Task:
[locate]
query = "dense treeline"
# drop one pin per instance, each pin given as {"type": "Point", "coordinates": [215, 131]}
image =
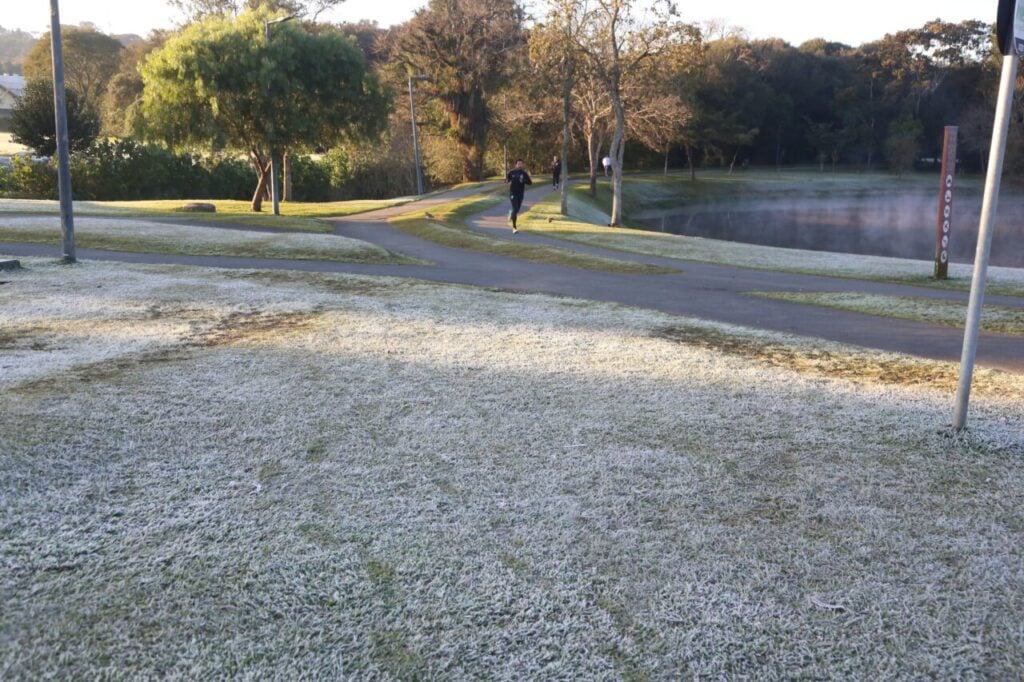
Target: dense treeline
{"type": "Point", "coordinates": [497, 83]}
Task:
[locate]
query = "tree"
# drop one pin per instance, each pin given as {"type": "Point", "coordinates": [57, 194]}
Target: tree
{"type": "Point", "coordinates": [615, 43]}
{"type": "Point", "coordinates": [901, 145]}
{"type": "Point", "coordinates": [468, 48]}
{"type": "Point", "coordinates": [592, 117]}
{"type": "Point", "coordinates": [33, 123]}
{"type": "Point", "coordinates": [91, 59]}
{"type": "Point", "coordinates": [220, 84]}
{"type": "Point", "coordinates": [553, 50]}
{"type": "Point", "coordinates": [197, 9]}
{"type": "Point", "coordinates": [120, 113]}
{"type": "Point", "coordinates": [658, 114]}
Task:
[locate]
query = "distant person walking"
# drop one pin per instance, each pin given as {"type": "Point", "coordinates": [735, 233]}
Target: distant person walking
{"type": "Point", "coordinates": [517, 180]}
{"type": "Point", "coordinates": [556, 172]}
{"type": "Point", "coordinates": [607, 162]}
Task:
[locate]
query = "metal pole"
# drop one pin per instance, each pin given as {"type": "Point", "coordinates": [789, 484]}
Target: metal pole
{"type": "Point", "coordinates": [67, 216]}
{"type": "Point", "coordinates": [274, 200]}
{"type": "Point", "coordinates": [997, 155]}
{"type": "Point", "coordinates": [415, 136]}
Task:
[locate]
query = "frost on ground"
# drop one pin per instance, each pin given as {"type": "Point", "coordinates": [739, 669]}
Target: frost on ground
{"type": "Point", "coordinates": [141, 235]}
{"type": "Point", "coordinates": [253, 474]}
{"type": "Point", "coordinates": [994, 318]}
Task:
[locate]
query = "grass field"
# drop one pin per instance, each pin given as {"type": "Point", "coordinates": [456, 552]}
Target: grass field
{"type": "Point", "coordinates": [297, 216]}
{"type": "Point", "coordinates": [259, 475]}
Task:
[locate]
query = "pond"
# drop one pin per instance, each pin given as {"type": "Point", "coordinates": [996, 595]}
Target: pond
{"type": "Point", "coordinates": [885, 225]}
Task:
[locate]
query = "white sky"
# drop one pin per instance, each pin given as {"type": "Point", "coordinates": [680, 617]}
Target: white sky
{"type": "Point", "coordinates": [793, 20]}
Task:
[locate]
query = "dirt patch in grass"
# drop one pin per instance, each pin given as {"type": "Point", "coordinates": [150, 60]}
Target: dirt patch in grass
{"type": "Point", "coordinates": [246, 327]}
{"type": "Point", "coordinates": [235, 328]}
{"type": "Point", "coordinates": [348, 284]}
{"type": "Point", "coordinates": [863, 367]}
{"type": "Point", "coordinates": [22, 338]}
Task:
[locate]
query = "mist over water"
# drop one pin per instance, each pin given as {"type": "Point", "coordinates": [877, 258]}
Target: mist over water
{"type": "Point", "coordinates": [883, 225]}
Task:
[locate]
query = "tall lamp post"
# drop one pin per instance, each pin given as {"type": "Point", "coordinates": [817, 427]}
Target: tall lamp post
{"type": "Point", "coordinates": [274, 198]}
{"type": "Point", "coordinates": [415, 133]}
{"type": "Point", "coordinates": [67, 216]}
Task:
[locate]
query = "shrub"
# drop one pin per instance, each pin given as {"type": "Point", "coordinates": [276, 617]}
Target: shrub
{"type": "Point", "coordinates": [32, 179]}
{"type": "Point", "coordinates": [126, 170]}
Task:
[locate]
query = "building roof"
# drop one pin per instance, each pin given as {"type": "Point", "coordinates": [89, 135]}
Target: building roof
{"type": "Point", "coordinates": [12, 83]}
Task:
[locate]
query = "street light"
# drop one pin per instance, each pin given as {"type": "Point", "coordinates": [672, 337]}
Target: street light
{"type": "Point", "coordinates": [274, 199]}
{"type": "Point", "coordinates": [415, 134]}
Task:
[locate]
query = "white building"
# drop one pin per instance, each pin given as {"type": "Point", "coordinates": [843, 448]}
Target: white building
{"type": "Point", "coordinates": [11, 87]}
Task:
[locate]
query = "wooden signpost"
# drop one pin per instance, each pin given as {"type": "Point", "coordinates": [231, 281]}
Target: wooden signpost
{"type": "Point", "coordinates": [942, 231]}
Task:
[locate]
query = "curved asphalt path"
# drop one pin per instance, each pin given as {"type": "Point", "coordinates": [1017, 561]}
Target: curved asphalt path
{"type": "Point", "coordinates": [701, 290]}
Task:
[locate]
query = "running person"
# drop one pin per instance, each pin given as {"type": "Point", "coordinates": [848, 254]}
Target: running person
{"type": "Point", "coordinates": [517, 180]}
{"type": "Point", "coordinates": [556, 172]}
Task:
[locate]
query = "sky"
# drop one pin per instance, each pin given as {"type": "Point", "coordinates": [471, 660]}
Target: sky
{"type": "Point", "coordinates": [793, 20]}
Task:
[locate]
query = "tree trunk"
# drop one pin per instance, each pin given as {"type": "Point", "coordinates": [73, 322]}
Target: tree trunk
{"type": "Point", "coordinates": [567, 82]}
{"type": "Point", "coordinates": [262, 180]}
{"type": "Point", "coordinates": [286, 166]}
{"type": "Point", "coordinates": [689, 162]}
{"type": "Point", "coordinates": [592, 152]}
{"type": "Point", "coordinates": [667, 150]}
{"type": "Point", "coordinates": [732, 164]}
{"type": "Point", "coordinates": [618, 150]}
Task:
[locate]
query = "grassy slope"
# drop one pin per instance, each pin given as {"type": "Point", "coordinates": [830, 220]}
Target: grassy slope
{"type": "Point", "coordinates": [588, 219]}
{"type": "Point", "coordinates": [139, 235]}
{"type": "Point", "coordinates": [279, 474]}
{"type": "Point", "coordinates": [996, 319]}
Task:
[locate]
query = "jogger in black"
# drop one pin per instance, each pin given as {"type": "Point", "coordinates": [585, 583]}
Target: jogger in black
{"type": "Point", "coordinates": [556, 172]}
{"type": "Point", "coordinates": [517, 180]}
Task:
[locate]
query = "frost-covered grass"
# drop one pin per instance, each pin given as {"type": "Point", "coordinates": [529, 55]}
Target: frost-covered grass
{"type": "Point", "coordinates": [446, 225]}
{"type": "Point", "coordinates": [586, 223]}
{"type": "Point", "coordinates": [277, 474]}
{"type": "Point", "coordinates": [139, 235]}
{"type": "Point", "coordinates": [994, 318]}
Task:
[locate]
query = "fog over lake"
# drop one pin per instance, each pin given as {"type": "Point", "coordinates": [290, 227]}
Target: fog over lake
{"type": "Point", "coordinates": [883, 225]}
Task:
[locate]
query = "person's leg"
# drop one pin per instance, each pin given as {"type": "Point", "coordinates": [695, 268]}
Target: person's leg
{"type": "Point", "coordinates": [517, 203]}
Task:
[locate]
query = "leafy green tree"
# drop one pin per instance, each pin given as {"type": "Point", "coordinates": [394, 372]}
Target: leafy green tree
{"type": "Point", "coordinates": [902, 144]}
{"type": "Point", "coordinates": [119, 112]}
{"type": "Point", "coordinates": [469, 49]}
{"type": "Point", "coordinates": [219, 84]}
{"type": "Point", "coordinates": [91, 59]}
{"type": "Point", "coordinates": [33, 123]}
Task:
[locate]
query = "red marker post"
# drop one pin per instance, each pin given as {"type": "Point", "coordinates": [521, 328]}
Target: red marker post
{"type": "Point", "coordinates": [942, 230]}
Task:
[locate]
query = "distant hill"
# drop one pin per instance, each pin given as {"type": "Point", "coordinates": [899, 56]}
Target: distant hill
{"type": "Point", "coordinates": [14, 45]}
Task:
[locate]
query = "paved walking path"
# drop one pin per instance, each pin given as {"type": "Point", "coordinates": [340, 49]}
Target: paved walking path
{"type": "Point", "coordinates": [701, 290]}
